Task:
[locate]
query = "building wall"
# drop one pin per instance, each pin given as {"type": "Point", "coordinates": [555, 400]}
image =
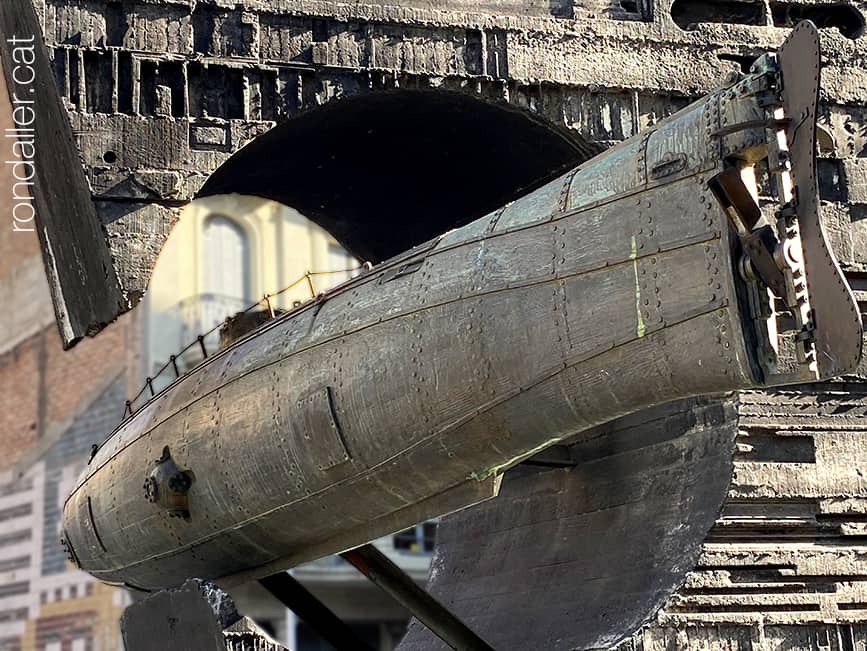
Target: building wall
{"type": "Point", "coordinates": [283, 246]}
{"type": "Point", "coordinates": [44, 602]}
{"type": "Point", "coordinates": [54, 405]}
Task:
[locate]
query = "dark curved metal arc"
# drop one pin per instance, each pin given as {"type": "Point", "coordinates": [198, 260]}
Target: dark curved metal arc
{"type": "Point", "coordinates": [361, 167]}
{"type": "Point", "coordinates": [581, 557]}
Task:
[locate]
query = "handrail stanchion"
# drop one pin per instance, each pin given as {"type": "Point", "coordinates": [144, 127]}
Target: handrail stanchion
{"type": "Point", "coordinates": [267, 298]}
{"type": "Point", "coordinates": [309, 277]}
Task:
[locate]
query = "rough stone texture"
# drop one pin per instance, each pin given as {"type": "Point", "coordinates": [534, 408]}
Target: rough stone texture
{"type": "Point", "coordinates": [785, 566]}
{"type": "Point", "coordinates": [198, 615]}
{"type": "Point", "coordinates": [161, 93]}
{"type": "Point", "coordinates": [191, 616]}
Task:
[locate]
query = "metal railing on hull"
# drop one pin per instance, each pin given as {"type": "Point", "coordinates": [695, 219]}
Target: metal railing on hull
{"type": "Point", "coordinates": [148, 391]}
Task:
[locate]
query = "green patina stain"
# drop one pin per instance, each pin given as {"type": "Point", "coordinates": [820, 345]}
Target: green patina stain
{"type": "Point", "coordinates": [499, 469]}
{"type": "Point", "coordinates": [633, 255]}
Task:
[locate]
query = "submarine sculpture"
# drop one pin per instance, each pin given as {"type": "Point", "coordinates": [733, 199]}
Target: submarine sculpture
{"type": "Point", "coordinates": [688, 260]}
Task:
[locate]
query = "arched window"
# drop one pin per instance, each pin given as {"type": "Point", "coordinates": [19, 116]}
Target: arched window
{"type": "Point", "coordinates": [226, 259]}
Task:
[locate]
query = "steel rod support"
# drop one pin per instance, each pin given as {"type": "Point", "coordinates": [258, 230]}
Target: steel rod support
{"type": "Point", "coordinates": [317, 615]}
{"type": "Point", "coordinates": [377, 567]}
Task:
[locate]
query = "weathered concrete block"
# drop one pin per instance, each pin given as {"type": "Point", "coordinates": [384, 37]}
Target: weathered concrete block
{"type": "Point", "coordinates": [838, 227]}
{"type": "Point", "coordinates": [163, 27]}
{"type": "Point", "coordinates": [190, 617]}
{"type": "Point", "coordinates": [135, 234]}
{"type": "Point", "coordinates": [225, 33]}
{"type": "Point", "coordinates": [198, 616]}
{"type": "Point", "coordinates": [132, 142]}
{"type": "Point", "coordinates": [285, 38]}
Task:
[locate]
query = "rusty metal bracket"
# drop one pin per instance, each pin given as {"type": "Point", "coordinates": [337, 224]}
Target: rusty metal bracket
{"type": "Point", "coordinates": [762, 261]}
{"type": "Point", "coordinates": [760, 246]}
{"type": "Point", "coordinates": [736, 200]}
{"type": "Point", "coordinates": [790, 256]}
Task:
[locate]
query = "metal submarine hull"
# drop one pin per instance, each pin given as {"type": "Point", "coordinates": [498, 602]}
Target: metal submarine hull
{"type": "Point", "coordinates": [406, 393]}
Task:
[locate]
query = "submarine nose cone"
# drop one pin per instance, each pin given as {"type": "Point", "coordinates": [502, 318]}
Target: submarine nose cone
{"type": "Point", "coordinates": [65, 542]}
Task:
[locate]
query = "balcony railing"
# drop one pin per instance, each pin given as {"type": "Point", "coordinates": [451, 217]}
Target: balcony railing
{"type": "Point", "coordinates": [205, 314]}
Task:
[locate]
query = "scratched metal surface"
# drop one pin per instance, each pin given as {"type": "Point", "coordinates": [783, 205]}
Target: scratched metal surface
{"type": "Point", "coordinates": [406, 393]}
{"type": "Point", "coordinates": [552, 565]}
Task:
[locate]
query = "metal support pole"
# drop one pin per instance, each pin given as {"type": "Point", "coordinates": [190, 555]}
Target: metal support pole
{"type": "Point", "coordinates": [299, 600]}
{"type": "Point", "coordinates": [376, 566]}
{"type": "Point", "coordinates": [309, 278]}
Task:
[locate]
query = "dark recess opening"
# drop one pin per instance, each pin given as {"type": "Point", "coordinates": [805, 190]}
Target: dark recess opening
{"type": "Point", "coordinates": [203, 28]}
{"type": "Point", "coordinates": [98, 72]}
{"type": "Point", "coordinates": [116, 25]}
{"type": "Point", "coordinates": [74, 95]}
{"type": "Point", "coordinates": [744, 61]}
{"type": "Point", "coordinates": [845, 18]}
{"type": "Point", "coordinates": [386, 171]}
{"type": "Point", "coordinates": [320, 30]}
{"type": "Point", "coordinates": [688, 13]}
{"type": "Point", "coordinates": [124, 82]}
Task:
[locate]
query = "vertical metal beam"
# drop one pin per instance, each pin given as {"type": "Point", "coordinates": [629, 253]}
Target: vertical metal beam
{"type": "Point", "coordinates": [78, 264]}
{"type": "Point", "coordinates": [301, 601]}
{"type": "Point", "coordinates": [396, 583]}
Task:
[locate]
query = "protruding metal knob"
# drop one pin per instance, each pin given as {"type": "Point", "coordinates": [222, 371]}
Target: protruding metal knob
{"type": "Point", "coordinates": [168, 486]}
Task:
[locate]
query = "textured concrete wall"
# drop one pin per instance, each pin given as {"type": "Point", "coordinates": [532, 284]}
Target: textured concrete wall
{"type": "Point", "coordinates": [785, 567]}
{"type": "Point", "coordinates": [161, 93]}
